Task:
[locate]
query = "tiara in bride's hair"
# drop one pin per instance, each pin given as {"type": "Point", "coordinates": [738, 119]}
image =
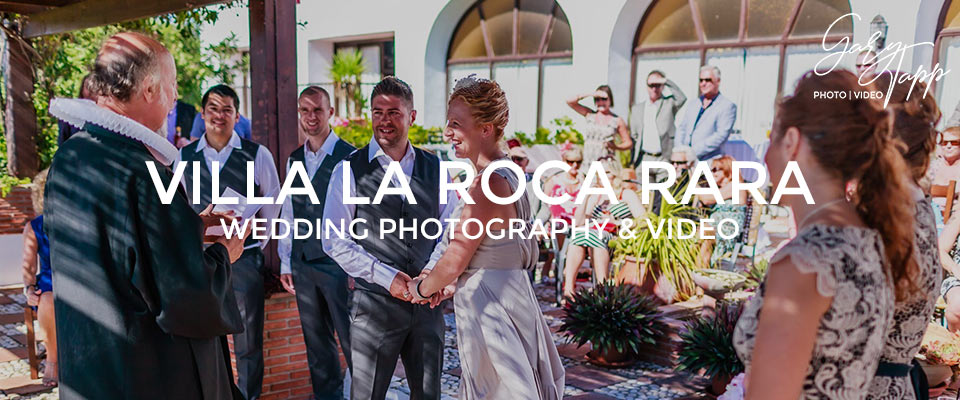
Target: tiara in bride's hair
{"type": "Point", "coordinates": [469, 81]}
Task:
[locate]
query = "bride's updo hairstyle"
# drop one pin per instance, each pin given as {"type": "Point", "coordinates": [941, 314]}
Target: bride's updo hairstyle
{"type": "Point", "coordinates": [851, 139]}
{"type": "Point", "coordinates": [487, 102]}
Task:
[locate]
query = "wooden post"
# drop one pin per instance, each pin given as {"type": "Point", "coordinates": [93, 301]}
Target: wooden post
{"type": "Point", "coordinates": [19, 118]}
{"type": "Point", "coordinates": [273, 69]}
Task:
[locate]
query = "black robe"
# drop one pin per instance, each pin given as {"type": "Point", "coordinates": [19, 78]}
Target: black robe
{"type": "Point", "coordinates": [141, 307]}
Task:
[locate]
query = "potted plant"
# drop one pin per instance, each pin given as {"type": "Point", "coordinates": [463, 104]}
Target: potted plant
{"type": "Point", "coordinates": [656, 262]}
{"type": "Point", "coordinates": [614, 320]}
{"type": "Point", "coordinates": [707, 344]}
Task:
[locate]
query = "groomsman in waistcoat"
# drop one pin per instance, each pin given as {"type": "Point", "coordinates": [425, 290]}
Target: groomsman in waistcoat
{"type": "Point", "coordinates": [385, 325]}
{"type": "Point", "coordinates": [305, 270]}
{"type": "Point", "coordinates": [221, 144]}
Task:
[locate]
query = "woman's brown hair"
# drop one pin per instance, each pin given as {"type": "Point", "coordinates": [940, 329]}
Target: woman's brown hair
{"type": "Point", "coordinates": [915, 116]}
{"type": "Point", "coordinates": [851, 137]}
{"type": "Point", "coordinates": [725, 164]}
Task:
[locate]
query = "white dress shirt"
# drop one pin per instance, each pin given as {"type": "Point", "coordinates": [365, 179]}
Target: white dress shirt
{"type": "Point", "coordinates": [265, 173]}
{"type": "Point", "coordinates": [311, 161]}
{"type": "Point", "coordinates": [354, 260]}
{"type": "Point", "coordinates": [651, 135]}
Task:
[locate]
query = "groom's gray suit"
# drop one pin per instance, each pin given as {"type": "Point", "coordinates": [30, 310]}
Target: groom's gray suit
{"type": "Point", "coordinates": [384, 328]}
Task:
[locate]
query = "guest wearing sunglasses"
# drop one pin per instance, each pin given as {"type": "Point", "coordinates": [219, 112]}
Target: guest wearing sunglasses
{"type": "Point", "coordinates": [603, 127]}
{"type": "Point", "coordinates": [652, 119]}
{"type": "Point", "coordinates": [866, 65]}
{"type": "Point", "coordinates": [945, 167]}
{"type": "Point", "coordinates": [708, 124]}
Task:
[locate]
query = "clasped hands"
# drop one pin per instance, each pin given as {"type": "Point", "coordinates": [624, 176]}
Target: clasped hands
{"type": "Point", "coordinates": [404, 288]}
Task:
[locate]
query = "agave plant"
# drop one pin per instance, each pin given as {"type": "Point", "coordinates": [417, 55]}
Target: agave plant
{"type": "Point", "coordinates": [707, 343]}
{"type": "Point", "coordinates": [676, 257]}
{"type": "Point", "coordinates": [612, 317]}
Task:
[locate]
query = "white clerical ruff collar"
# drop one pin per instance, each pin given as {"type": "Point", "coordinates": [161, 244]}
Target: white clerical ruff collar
{"type": "Point", "coordinates": [78, 112]}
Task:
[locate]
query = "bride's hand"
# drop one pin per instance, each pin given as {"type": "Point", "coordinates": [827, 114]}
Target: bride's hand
{"type": "Point", "coordinates": [442, 295]}
{"type": "Point", "coordinates": [414, 293]}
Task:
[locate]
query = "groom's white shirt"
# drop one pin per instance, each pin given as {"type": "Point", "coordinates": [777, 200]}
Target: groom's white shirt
{"type": "Point", "coordinates": [354, 260]}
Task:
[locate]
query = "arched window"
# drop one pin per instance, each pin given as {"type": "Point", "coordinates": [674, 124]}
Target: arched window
{"type": "Point", "coordinates": [760, 46]}
{"type": "Point", "coordinates": [525, 45]}
{"type": "Point", "coordinates": [947, 53]}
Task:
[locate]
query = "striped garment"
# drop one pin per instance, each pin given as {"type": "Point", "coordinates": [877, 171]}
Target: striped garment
{"type": "Point", "coordinates": [595, 239]}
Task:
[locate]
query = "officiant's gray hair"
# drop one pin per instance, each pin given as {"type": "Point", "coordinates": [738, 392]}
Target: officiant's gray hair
{"type": "Point", "coordinates": [125, 62]}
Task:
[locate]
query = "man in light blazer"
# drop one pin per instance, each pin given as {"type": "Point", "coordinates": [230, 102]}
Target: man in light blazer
{"type": "Point", "coordinates": [652, 121]}
{"type": "Point", "coordinates": [707, 124]}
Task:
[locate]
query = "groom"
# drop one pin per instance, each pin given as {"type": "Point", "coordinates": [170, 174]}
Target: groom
{"type": "Point", "coordinates": [385, 325]}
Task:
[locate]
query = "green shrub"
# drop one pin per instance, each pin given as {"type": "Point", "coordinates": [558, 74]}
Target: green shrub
{"type": "Point", "coordinates": [707, 343]}
{"type": "Point", "coordinates": [612, 317]}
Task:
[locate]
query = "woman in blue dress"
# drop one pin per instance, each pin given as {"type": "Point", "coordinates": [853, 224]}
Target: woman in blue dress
{"type": "Point", "coordinates": [38, 285]}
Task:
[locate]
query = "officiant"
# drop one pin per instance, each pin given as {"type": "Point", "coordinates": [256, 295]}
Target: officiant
{"type": "Point", "coordinates": [140, 304]}
{"type": "Point", "coordinates": [221, 147]}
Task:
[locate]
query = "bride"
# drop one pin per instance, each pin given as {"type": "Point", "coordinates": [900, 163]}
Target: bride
{"type": "Point", "coordinates": [506, 350]}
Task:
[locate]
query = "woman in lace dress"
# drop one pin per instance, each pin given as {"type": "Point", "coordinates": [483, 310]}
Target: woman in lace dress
{"type": "Point", "coordinates": [827, 300]}
{"type": "Point", "coordinates": [506, 349]}
{"type": "Point", "coordinates": [914, 123]}
{"type": "Point", "coordinates": [602, 127]}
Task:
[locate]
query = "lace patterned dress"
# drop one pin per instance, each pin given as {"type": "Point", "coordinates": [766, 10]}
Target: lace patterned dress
{"type": "Point", "coordinates": [596, 135]}
{"type": "Point", "coordinates": [848, 262]}
{"type": "Point", "coordinates": [912, 315]}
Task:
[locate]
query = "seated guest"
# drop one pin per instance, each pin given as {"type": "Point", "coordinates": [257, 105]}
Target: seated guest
{"type": "Point", "coordinates": [86, 92]}
{"type": "Point", "coordinates": [950, 258]}
{"type": "Point", "coordinates": [682, 159]}
{"type": "Point", "coordinates": [38, 285]}
{"type": "Point", "coordinates": [243, 128]}
{"type": "Point", "coordinates": [595, 210]}
{"type": "Point", "coordinates": [945, 167]}
{"type": "Point", "coordinates": [722, 169]}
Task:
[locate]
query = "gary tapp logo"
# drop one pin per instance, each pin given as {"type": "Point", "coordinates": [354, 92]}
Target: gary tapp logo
{"type": "Point", "coordinates": [890, 58]}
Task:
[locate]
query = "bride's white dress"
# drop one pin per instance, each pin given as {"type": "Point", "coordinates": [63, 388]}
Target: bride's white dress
{"type": "Point", "coordinates": [506, 350]}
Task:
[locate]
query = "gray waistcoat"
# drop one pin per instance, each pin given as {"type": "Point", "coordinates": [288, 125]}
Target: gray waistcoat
{"type": "Point", "coordinates": [408, 255]}
{"type": "Point", "coordinates": [311, 249]}
{"type": "Point", "coordinates": [233, 174]}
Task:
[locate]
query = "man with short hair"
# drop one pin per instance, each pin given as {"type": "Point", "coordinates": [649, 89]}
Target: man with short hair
{"type": "Point", "coordinates": [319, 283]}
{"type": "Point", "coordinates": [385, 324]}
{"type": "Point", "coordinates": [652, 121]}
{"type": "Point", "coordinates": [141, 305]}
{"type": "Point", "coordinates": [707, 126]}
{"type": "Point", "coordinates": [221, 148]}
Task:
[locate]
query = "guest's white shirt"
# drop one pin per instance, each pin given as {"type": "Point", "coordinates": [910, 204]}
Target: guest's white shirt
{"type": "Point", "coordinates": [311, 162]}
{"type": "Point", "coordinates": [651, 135]}
{"type": "Point", "coordinates": [265, 173]}
{"type": "Point", "coordinates": [354, 260]}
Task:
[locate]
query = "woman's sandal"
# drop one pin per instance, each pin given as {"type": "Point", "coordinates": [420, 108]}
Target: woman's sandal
{"type": "Point", "coordinates": [47, 380]}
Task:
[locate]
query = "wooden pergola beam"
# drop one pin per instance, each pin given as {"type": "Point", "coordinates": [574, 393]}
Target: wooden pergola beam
{"type": "Point", "coordinates": [21, 8]}
{"type": "Point", "coordinates": [20, 118]}
{"type": "Point", "coordinates": [273, 70]}
{"type": "Point", "coordinates": [91, 13]}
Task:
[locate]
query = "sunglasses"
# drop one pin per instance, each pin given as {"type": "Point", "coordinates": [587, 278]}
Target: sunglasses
{"type": "Point", "coordinates": [574, 162]}
{"type": "Point", "coordinates": [954, 143]}
{"type": "Point", "coordinates": [675, 163]}
{"type": "Point", "coordinates": [654, 85]}
{"type": "Point", "coordinates": [702, 80]}
{"type": "Point", "coordinates": [864, 65]}
{"type": "Point", "coordinates": [596, 99]}
{"type": "Point", "coordinates": [517, 159]}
